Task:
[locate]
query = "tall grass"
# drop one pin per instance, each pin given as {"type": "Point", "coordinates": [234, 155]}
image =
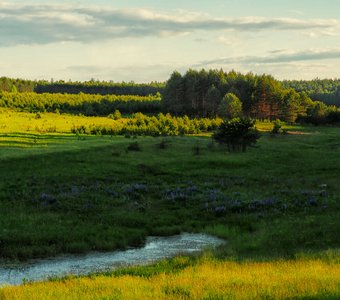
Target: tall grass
{"type": "Point", "coordinates": [208, 279]}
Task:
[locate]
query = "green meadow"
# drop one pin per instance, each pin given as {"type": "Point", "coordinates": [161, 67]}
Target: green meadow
{"type": "Point", "coordinates": [67, 193]}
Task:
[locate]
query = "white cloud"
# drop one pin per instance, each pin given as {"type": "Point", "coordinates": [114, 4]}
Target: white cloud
{"type": "Point", "coordinates": [43, 24]}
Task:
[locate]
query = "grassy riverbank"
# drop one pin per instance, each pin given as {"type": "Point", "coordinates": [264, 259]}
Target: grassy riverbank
{"type": "Point", "coordinates": [204, 279]}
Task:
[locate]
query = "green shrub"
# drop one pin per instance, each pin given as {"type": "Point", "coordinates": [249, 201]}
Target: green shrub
{"type": "Point", "coordinates": [276, 127]}
{"type": "Point", "coordinates": [134, 147]}
{"type": "Point", "coordinates": [237, 134]}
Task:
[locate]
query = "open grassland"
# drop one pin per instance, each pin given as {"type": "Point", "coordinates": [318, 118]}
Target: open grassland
{"type": "Point", "coordinates": [61, 193]}
{"type": "Point", "coordinates": [64, 193]}
{"type": "Point", "coordinates": [207, 279]}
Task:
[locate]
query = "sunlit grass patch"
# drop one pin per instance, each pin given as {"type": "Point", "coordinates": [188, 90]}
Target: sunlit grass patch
{"type": "Point", "coordinates": [42, 123]}
{"type": "Point", "coordinates": [208, 279]}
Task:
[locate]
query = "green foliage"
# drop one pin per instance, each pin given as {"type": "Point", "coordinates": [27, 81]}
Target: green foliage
{"type": "Point", "coordinates": [213, 97]}
{"type": "Point", "coordinates": [198, 93]}
{"type": "Point", "coordinates": [16, 85]}
{"type": "Point", "coordinates": [164, 144]}
{"type": "Point", "coordinates": [276, 127]}
{"type": "Point", "coordinates": [89, 105]}
{"type": "Point", "coordinates": [237, 134]}
{"type": "Point", "coordinates": [116, 115]}
{"type": "Point", "coordinates": [325, 90]}
{"type": "Point", "coordinates": [230, 107]}
{"type": "Point", "coordinates": [317, 113]}
{"type": "Point", "coordinates": [95, 87]}
{"type": "Point", "coordinates": [133, 147]}
{"type": "Point", "coordinates": [159, 125]}
{"type": "Point", "coordinates": [76, 87]}
{"type": "Point", "coordinates": [174, 93]}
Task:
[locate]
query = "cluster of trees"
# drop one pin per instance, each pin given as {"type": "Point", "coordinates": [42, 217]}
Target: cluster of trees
{"type": "Point", "coordinates": [16, 85]}
{"type": "Point", "coordinates": [160, 125]}
{"type": "Point", "coordinates": [320, 113]}
{"type": "Point", "coordinates": [76, 87]}
{"type": "Point", "coordinates": [86, 104]}
{"type": "Point", "coordinates": [201, 93]}
{"type": "Point", "coordinates": [214, 92]}
{"type": "Point", "coordinates": [324, 90]}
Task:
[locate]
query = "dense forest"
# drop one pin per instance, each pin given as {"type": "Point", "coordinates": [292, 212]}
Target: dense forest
{"type": "Point", "coordinates": [324, 90]}
{"type": "Point", "coordinates": [214, 92]}
{"type": "Point", "coordinates": [76, 87]}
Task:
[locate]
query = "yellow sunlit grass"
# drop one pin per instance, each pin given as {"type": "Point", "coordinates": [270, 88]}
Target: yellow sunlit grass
{"type": "Point", "coordinates": [23, 122]}
{"type": "Point", "coordinates": [207, 280]}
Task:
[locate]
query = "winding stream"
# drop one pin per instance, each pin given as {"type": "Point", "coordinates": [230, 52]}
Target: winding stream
{"type": "Point", "coordinates": [156, 248]}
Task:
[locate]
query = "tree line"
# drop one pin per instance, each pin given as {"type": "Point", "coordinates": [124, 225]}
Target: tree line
{"type": "Point", "coordinates": [324, 90]}
{"type": "Point", "coordinates": [76, 87]}
{"type": "Point", "coordinates": [214, 92]}
{"type": "Point", "coordinates": [100, 88]}
{"type": "Point", "coordinates": [204, 93]}
{"type": "Point", "coordinates": [86, 104]}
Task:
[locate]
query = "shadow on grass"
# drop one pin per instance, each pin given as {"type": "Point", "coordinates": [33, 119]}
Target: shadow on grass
{"type": "Point", "coordinates": [23, 140]}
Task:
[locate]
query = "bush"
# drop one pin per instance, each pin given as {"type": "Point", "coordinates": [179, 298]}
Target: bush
{"type": "Point", "coordinates": [116, 115]}
{"type": "Point", "coordinates": [134, 147]}
{"type": "Point", "coordinates": [276, 127]}
{"type": "Point", "coordinates": [163, 144]}
{"type": "Point", "coordinates": [237, 134]}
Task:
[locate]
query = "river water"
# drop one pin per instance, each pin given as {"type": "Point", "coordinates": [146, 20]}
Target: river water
{"type": "Point", "coordinates": [155, 248]}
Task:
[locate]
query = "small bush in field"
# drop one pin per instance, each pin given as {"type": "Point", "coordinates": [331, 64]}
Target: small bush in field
{"type": "Point", "coordinates": [276, 127]}
{"type": "Point", "coordinates": [116, 115]}
{"type": "Point", "coordinates": [134, 147]}
{"type": "Point", "coordinates": [163, 144]}
{"type": "Point", "coordinates": [237, 134]}
{"type": "Point", "coordinates": [196, 149]}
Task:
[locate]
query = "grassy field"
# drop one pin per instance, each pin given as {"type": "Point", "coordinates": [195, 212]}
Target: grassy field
{"type": "Point", "coordinates": [61, 193]}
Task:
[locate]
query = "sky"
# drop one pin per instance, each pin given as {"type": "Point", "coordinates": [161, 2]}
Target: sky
{"type": "Point", "coordinates": [146, 40]}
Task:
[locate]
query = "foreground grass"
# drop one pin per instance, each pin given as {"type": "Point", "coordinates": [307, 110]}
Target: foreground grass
{"type": "Point", "coordinates": [206, 279]}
